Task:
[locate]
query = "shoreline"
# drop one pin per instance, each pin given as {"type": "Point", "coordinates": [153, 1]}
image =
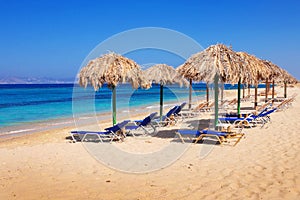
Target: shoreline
{"type": "Point", "coordinates": [27, 128]}
{"type": "Point", "coordinates": [7, 132]}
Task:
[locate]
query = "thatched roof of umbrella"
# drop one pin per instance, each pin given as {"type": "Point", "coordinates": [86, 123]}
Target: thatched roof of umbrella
{"type": "Point", "coordinates": [289, 78]}
{"type": "Point", "coordinates": [112, 69]}
{"type": "Point", "coordinates": [218, 59]}
{"type": "Point", "coordinates": [256, 67]}
{"type": "Point", "coordinates": [164, 74]}
{"type": "Point", "coordinates": [279, 74]}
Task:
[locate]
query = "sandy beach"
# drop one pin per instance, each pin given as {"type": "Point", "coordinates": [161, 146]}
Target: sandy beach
{"type": "Point", "coordinates": [265, 164]}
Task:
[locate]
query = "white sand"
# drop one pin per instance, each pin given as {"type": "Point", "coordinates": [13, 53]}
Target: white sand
{"type": "Point", "coordinates": [264, 165]}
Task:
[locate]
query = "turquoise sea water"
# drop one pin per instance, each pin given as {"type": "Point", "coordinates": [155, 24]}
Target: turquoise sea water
{"type": "Point", "coordinates": [21, 104]}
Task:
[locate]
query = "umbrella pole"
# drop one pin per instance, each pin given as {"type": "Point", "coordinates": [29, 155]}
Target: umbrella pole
{"type": "Point", "coordinates": [243, 91]}
{"type": "Point", "coordinates": [239, 99]}
{"type": "Point", "coordinates": [249, 89]}
{"type": "Point", "coordinates": [255, 96]}
{"type": "Point", "coordinates": [273, 90]}
{"type": "Point", "coordinates": [222, 92]}
{"type": "Point", "coordinates": [207, 93]}
{"type": "Point", "coordinates": [190, 95]}
{"type": "Point", "coordinates": [216, 84]}
{"type": "Point", "coordinates": [285, 90]}
{"type": "Point", "coordinates": [267, 91]}
{"type": "Point", "coordinates": [114, 105]}
{"type": "Point", "coordinates": [161, 100]}
{"type": "Point", "coordinates": [255, 91]}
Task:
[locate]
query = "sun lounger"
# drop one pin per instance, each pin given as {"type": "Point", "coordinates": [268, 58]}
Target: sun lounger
{"type": "Point", "coordinates": [262, 118]}
{"type": "Point", "coordinates": [246, 98]}
{"type": "Point", "coordinates": [110, 133]}
{"type": "Point", "coordinates": [248, 121]}
{"type": "Point", "coordinates": [195, 111]}
{"type": "Point", "coordinates": [177, 113]}
{"type": "Point", "coordinates": [229, 103]}
{"type": "Point", "coordinates": [208, 108]}
{"type": "Point", "coordinates": [224, 102]}
{"type": "Point", "coordinates": [200, 106]}
{"type": "Point", "coordinates": [285, 104]}
{"type": "Point", "coordinates": [152, 116]}
{"type": "Point", "coordinates": [265, 105]}
{"type": "Point", "coordinates": [166, 119]}
{"type": "Point", "coordinates": [200, 135]}
{"type": "Point", "coordinates": [141, 126]}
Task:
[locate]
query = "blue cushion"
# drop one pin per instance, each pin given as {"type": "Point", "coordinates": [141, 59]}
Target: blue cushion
{"type": "Point", "coordinates": [172, 111]}
{"type": "Point", "coordinates": [131, 127]}
{"type": "Point", "coordinates": [89, 132]}
{"type": "Point", "coordinates": [212, 132]}
{"type": "Point", "coordinates": [117, 127]}
{"type": "Point", "coordinates": [189, 132]}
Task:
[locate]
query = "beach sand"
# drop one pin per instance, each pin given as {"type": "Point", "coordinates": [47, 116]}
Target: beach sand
{"type": "Point", "coordinates": [265, 164]}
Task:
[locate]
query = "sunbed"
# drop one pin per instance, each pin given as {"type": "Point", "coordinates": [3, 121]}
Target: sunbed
{"type": "Point", "coordinates": [200, 135]}
{"type": "Point", "coordinates": [141, 125]}
{"type": "Point", "coordinates": [251, 120]}
{"type": "Point", "coordinates": [177, 113]}
{"type": "Point", "coordinates": [195, 111]}
{"type": "Point", "coordinates": [110, 133]}
{"type": "Point", "coordinates": [244, 121]}
{"type": "Point", "coordinates": [166, 119]}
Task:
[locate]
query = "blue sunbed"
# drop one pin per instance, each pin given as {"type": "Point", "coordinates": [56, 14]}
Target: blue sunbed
{"type": "Point", "coordinates": [109, 133]}
{"type": "Point", "coordinates": [141, 125]}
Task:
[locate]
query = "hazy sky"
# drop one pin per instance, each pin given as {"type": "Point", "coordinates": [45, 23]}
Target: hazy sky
{"type": "Point", "coordinates": [52, 38]}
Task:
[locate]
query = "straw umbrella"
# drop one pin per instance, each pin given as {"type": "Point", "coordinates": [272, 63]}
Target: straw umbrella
{"type": "Point", "coordinates": [257, 69]}
{"type": "Point", "coordinates": [214, 63]}
{"type": "Point", "coordinates": [112, 69]}
{"type": "Point", "coordinates": [279, 75]}
{"type": "Point", "coordinates": [288, 79]}
{"type": "Point", "coordinates": [163, 74]}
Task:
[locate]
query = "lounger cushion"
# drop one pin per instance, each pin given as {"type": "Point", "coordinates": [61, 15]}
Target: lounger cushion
{"type": "Point", "coordinates": [189, 132]}
{"type": "Point", "coordinates": [90, 132]}
{"type": "Point", "coordinates": [212, 132]}
{"type": "Point", "coordinates": [131, 127]}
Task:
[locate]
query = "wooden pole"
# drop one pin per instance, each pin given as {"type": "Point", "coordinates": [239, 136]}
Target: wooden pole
{"type": "Point", "coordinates": [161, 100]}
{"type": "Point", "coordinates": [255, 92]}
{"type": "Point", "coordinates": [216, 84]}
{"type": "Point", "coordinates": [255, 95]}
{"type": "Point", "coordinates": [267, 82]}
{"type": "Point", "coordinates": [273, 90]}
{"type": "Point", "coordinates": [190, 94]}
{"type": "Point", "coordinates": [114, 105]}
{"type": "Point", "coordinates": [207, 93]}
{"type": "Point", "coordinates": [239, 99]}
{"type": "Point", "coordinates": [249, 89]}
{"type": "Point", "coordinates": [285, 89]}
{"type": "Point", "coordinates": [222, 92]}
{"type": "Point", "coordinates": [243, 91]}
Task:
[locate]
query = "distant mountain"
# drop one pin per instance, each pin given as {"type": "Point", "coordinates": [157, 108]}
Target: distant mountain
{"type": "Point", "coordinates": [34, 80]}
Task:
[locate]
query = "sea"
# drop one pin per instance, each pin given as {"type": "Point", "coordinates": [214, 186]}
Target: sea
{"type": "Point", "coordinates": [24, 104]}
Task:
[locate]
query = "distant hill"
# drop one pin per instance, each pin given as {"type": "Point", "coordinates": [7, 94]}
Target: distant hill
{"type": "Point", "coordinates": [34, 80]}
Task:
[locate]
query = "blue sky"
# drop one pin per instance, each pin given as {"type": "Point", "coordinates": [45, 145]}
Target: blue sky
{"type": "Point", "coordinates": [52, 38]}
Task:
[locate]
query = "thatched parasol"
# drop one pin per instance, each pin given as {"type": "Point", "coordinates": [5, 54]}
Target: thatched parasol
{"type": "Point", "coordinates": [112, 69]}
{"type": "Point", "coordinates": [257, 69]}
{"type": "Point", "coordinates": [279, 75]}
{"type": "Point", "coordinates": [217, 60]}
{"type": "Point", "coordinates": [164, 74]}
{"type": "Point", "coordinates": [266, 71]}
